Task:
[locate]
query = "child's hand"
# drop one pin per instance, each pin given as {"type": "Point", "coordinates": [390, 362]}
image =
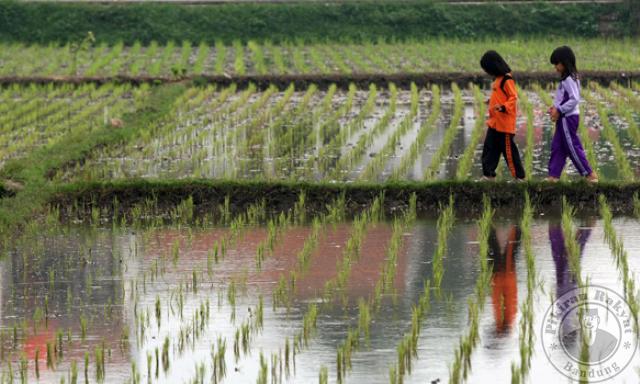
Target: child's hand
{"type": "Point", "coordinates": [553, 112]}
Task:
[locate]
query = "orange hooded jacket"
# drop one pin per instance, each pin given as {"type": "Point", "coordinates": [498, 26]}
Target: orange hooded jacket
{"type": "Point", "coordinates": [503, 121]}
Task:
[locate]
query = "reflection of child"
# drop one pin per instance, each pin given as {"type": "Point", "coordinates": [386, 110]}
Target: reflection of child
{"type": "Point", "coordinates": [565, 112]}
{"type": "Point", "coordinates": [502, 119]}
{"type": "Point", "coordinates": [505, 286]}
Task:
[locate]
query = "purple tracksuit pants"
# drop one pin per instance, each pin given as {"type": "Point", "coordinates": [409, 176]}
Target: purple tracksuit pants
{"type": "Point", "coordinates": [566, 143]}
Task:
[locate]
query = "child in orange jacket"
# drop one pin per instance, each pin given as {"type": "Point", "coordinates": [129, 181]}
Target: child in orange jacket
{"type": "Point", "coordinates": [502, 119]}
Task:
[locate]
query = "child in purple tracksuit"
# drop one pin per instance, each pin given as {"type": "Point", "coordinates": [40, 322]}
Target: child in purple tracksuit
{"type": "Point", "coordinates": [565, 112]}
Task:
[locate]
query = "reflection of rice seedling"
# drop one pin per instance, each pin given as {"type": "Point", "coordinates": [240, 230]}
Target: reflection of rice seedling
{"type": "Point", "coordinates": [520, 371]}
{"type": "Point", "coordinates": [461, 365]}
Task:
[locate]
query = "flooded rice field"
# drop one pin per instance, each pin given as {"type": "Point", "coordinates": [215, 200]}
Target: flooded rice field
{"type": "Point", "coordinates": [294, 298]}
{"type": "Point", "coordinates": [360, 135]}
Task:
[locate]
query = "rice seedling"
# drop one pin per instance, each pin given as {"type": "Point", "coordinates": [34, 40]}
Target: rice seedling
{"type": "Point", "coordinates": [36, 361]}
{"type": "Point", "coordinates": [74, 373]}
{"type": "Point", "coordinates": [99, 359]}
{"type": "Point", "coordinates": [83, 327]}
{"type": "Point", "coordinates": [520, 371]}
{"type": "Point", "coordinates": [86, 367]}
{"type": "Point", "coordinates": [323, 376]}
{"type": "Point", "coordinates": [466, 160]}
{"type": "Point", "coordinates": [374, 167]}
{"type": "Point", "coordinates": [611, 136]}
{"type": "Point", "coordinates": [165, 354]}
{"type": "Point", "coordinates": [461, 366]}
{"type": "Point", "coordinates": [621, 258]}
{"type": "Point", "coordinates": [58, 346]}
{"type": "Point", "coordinates": [450, 134]}
{"type": "Point", "coordinates": [135, 375]}
{"type": "Point", "coordinates": [50, 356]}
{"type": "Point", "coordinates": [354, 156]}
{"type": "Point", "coordinates": [571, 244]}
{"type": "Point", "coordinates": [219, 362]}
{"type": "Point", "coordinates": [325, 155]}
{"type": "Point", "coordinates": [444, 225]}
{"type": "Point", "coordinates": [23, 370]}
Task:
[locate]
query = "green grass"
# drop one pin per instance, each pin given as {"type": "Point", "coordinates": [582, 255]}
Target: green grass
{"type": "Point", "coordinates": [426, 54]}
{"type": "Point", "coordinates": [45, 22]}
{"type": "Point", "coordinates": [35, 169]}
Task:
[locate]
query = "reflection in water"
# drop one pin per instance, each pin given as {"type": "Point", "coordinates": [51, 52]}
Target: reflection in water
{"type": "Point", "coordinates": [53, 287]}
{"type": "Point", "coordinates": [504, 280]}
{"type": "Point", "coordinates": [565, 281]}
{"type": "Point", "coordinates": [117, 278]}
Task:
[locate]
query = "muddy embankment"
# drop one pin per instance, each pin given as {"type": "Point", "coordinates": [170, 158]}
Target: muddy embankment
{"type": "Point", "coordinates": [323, 81]}
{"type": "Point", "coordinates": [208, 196]}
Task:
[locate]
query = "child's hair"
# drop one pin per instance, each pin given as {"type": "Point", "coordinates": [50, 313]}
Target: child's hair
{"type": "Point", "coordinates": [564, 55]}
{"type": "Point", "coordinates": [494, 64]}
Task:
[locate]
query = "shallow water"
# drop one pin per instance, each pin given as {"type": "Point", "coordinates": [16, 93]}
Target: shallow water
{"type": "Point", "coordinates": [213, 142]}
{"type": "Point", "coordinates": [112, 277]}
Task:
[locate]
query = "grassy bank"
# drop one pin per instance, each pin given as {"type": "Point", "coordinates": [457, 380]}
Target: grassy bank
{"type": "Point", "coordinates": [58, 22]}
{"type": "Point", "coordinates": [207, 195]}
{"type": "Point", "coordinates": [34, 170]}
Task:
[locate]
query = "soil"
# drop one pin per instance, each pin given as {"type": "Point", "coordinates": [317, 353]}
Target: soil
{"type": "Point", "coordinates": [280, 196]}
{"type": "Point", "coordinates": [323, 81]}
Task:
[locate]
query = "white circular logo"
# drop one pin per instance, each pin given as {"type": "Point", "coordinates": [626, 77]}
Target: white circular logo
{"type": "Point", "coordinates": [588, 334]}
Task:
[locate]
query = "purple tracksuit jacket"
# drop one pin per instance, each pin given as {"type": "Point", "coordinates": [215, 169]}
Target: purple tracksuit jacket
{"type": "Point", "coordinates": [566, 142]}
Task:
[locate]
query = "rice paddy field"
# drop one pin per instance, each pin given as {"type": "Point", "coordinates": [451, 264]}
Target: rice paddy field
{"type": "Point", "coordinates": [179, 58]}
{"type": "Point", "coordinates": [334, 135]}
{"type": "Point", "coordinates": [181, 213]}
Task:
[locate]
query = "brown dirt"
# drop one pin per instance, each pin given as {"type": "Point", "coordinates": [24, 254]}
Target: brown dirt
{"type": "Point", "coordinates": [323, 81]}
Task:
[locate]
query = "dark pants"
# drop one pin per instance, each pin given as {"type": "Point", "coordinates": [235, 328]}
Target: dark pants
{"type": "Point", "coordinates": [496, 144]}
